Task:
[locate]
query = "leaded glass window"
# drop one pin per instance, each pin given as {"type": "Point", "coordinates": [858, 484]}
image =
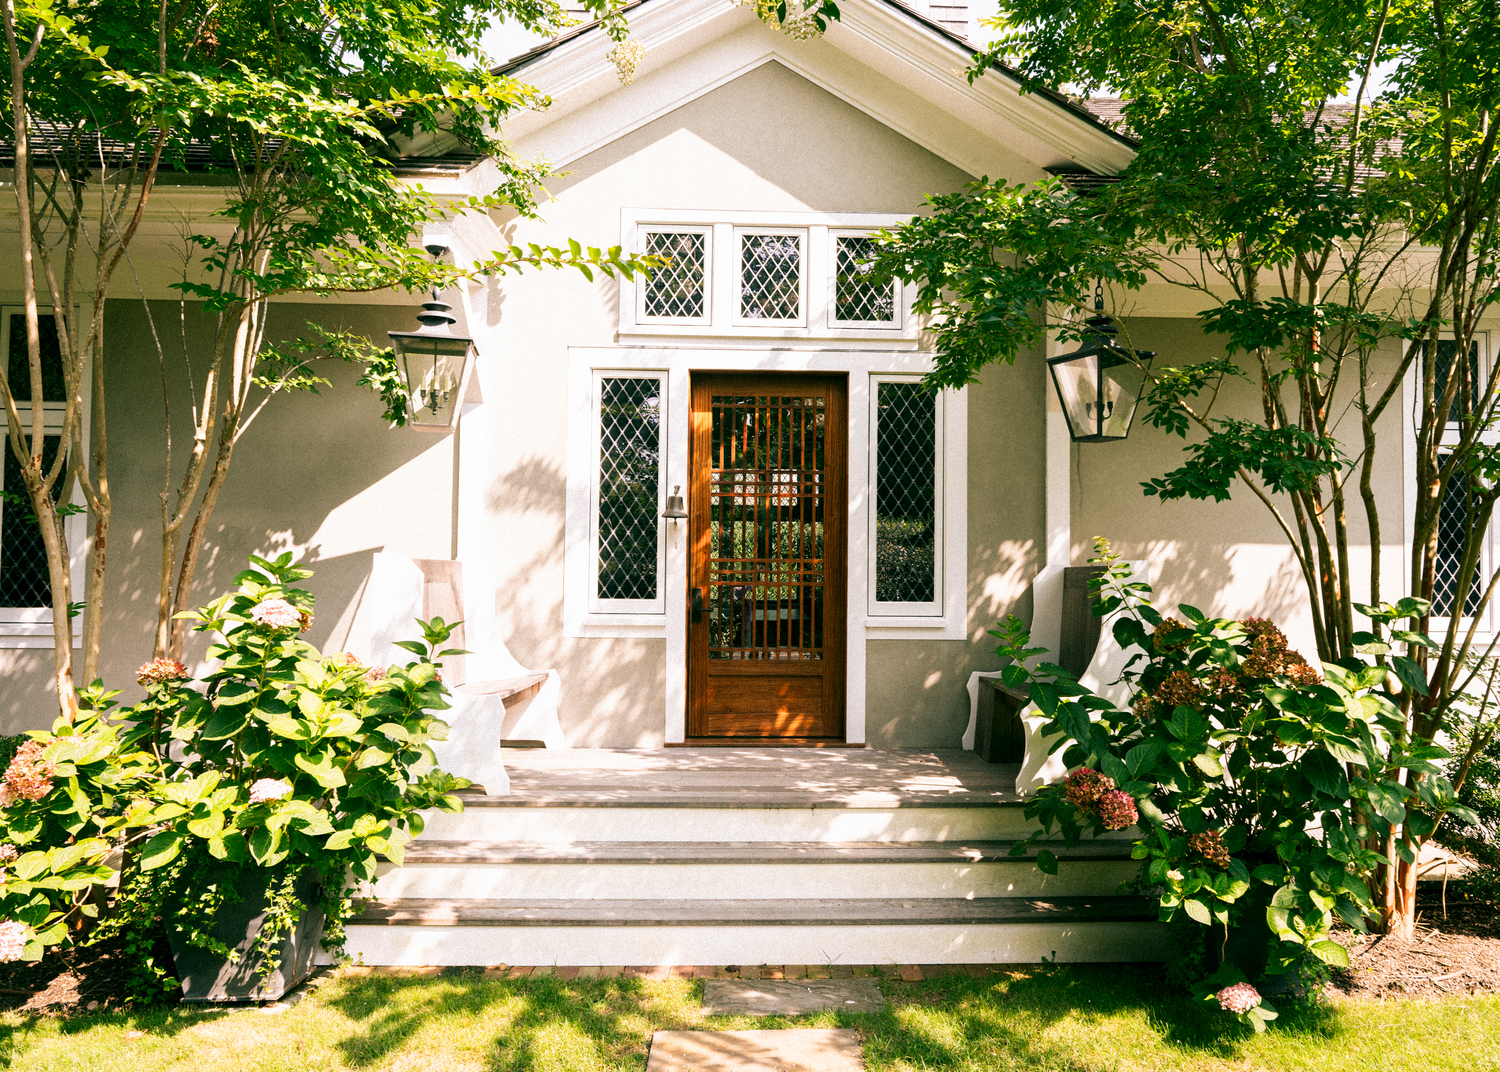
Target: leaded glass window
{"type": "Point", "coordinates": [24, 581]}
{"type": "Point", "coordinates": [906, 493]}
{"type": "Point", "coordinates": [1452, 526]}
{"type": "Point", "coordinates": [678, 289]}
{"type": "Point", "coordinates": [1465, 398]}
{"type": "Point", "coordinates": [627, 525]}
{"type": "Point", "coordinates": [857, 296]}
{"type": "Point", "coordinates": [771, 276]}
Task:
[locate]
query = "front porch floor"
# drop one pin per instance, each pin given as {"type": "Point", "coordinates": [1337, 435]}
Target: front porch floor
{"type": "Point", "coordinates": [757, 777]}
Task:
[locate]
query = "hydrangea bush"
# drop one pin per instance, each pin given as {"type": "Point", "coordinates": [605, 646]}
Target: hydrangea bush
{"type": "Point", "coordinates": [280, 761]}
{"type": "Point", "coordinates": [1247, 772]}
{"type": "Point", "coordinates": [63, 798]}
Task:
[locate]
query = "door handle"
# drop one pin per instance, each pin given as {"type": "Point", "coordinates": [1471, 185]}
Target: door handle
{"type": "Point", "coordinates": [698, 607]}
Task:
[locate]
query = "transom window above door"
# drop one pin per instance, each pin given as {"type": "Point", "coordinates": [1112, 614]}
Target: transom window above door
{"type": "Point", "coordinates": [789, 275]}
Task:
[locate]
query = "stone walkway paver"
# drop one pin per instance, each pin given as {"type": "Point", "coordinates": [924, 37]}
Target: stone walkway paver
{"type": "Point", "coordinates": [793, 1050]}
{"type": "Point", "coordinates": [747, 997]}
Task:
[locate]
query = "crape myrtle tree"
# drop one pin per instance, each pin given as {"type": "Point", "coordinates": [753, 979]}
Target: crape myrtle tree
{"type": "Point", "coordinates": [295, 110]}
{"type": "Point", "coordinates": [1343, 256]}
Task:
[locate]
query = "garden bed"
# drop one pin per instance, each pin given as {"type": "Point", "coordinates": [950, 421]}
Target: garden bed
{"type": "Point", "coordinates": [1454, 954]}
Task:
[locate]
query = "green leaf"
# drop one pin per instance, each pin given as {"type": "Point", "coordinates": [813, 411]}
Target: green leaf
{"type": "Point", "coordinates": [340, 839]}
{"type": "Point", "coordinates": [160, 850]}
{"type": "Point", "coordinates": [225, 723]}
{"type": "Point", "coordinates": [1143, 756]}
{"type": "Point", "coordinates": [1330, 952]}
{"type": "Point", "coordinates": [1046, 861]}
{"type": "Point", "coordinates": [1198, 911]}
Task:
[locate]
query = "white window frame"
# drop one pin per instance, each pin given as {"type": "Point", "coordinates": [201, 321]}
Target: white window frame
{"type": "Point", "coordinates": [935, 607]}
{"type": "Point", "coordinates": [740, 320]}
{"type": "Point", "coordinates": [708, 276]}
{"type": "Point", "coordinates": [819, 230]}
{"type": "Point", "coordinates": [893, 325]}
{"type": "Point", "coordinates": [1441, 624]}
{"type": "Point", "coordinates": [614, 607]}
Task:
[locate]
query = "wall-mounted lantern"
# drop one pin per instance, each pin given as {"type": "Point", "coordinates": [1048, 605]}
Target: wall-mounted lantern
{"type": "Point", "coordinates": [1100, 383]}
{"type": "Point", "coordinates": [434, 361]}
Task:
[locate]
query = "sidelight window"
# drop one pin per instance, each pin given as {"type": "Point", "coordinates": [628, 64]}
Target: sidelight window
{"type": "Point", "coordinates": [906, 522]}
{"type": "Point", "coordinates": [627, 493]}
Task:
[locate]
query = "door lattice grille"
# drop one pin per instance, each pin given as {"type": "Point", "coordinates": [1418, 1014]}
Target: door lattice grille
{"type": "Point", "coordinates": [766, 503]}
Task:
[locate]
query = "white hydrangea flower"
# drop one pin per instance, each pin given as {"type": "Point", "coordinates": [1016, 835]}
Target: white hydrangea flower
{"type": "Point", "coordinates": [269, 789]}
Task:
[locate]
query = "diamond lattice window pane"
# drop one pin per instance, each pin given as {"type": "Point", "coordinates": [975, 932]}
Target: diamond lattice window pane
{"type": "Point", "coordinates": [18, 372]}
{"type": "Point", "coordinates": [856, 295]}
{"type": "Point", "coordinates": [629, 465]}
{"type": "Point", "coordinates": [24, 581]}
{"type": "Point", "coordinates": [1452, 526]}
{"type": "Point", "coordinates": [1465, 398]}
{"type": "Point", "coordinates": [677, 288]}
{"type": "Point", "coordinates": [905, 494]}
{"type": "Point", "coordinates": [771, 277]}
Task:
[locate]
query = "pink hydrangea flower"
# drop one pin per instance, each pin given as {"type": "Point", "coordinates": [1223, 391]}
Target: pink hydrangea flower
{"type": "Point", "coordinates": [276, 614]}
{"type": "Point", "coordinates": [13, 938]}
{"type": "Point", "coordinates": [1117, 810]}
{"type": "Point", "coordinates": [29, 776]}
{"type": "Point", "coordinates": [8, 854]}
{"type": "Point", "coordinates": [158, 671]}
{"type": "Point", "coordinates": [1239, 998]}
{"type": "Point", "coordinates": [374, 674]}
{"type": "Point", "coordinates": [7, 796]}
{"type": "Point", "coordinates": [1084, 786]}
{"type": "Point", "coordinates": [269, 789]}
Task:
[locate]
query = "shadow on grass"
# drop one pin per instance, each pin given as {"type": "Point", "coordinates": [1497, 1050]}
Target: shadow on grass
{"type": "Point", "coordinates": [522, 1024]}
{"type": "Point", "coordinates": [1007, 1021]}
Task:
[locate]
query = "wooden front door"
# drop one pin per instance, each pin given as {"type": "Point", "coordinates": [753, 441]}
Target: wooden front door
{"type": "Point", "coordinates": [767, 531]}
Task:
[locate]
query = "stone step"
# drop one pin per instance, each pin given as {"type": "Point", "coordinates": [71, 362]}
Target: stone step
{"type": "Point", "coordinates": [751, 869]}
{"type": "Point", "coordinates": [742, 815]}
{"type": "Point", "coordinates": [471, 931]}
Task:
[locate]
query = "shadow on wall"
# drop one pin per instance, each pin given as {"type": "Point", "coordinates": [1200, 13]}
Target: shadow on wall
{"type": "Point", "coordinates": [320, 475]}
{"type": "Point", "coordinates": [811, 146]}
{"type": "Point", "coordinates": [612, 689]}
{"type": "Point", "coordinates": [1249, 580]}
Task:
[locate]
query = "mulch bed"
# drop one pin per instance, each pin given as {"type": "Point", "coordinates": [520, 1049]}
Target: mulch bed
{"type": "Point", "coordinates": [75, 980]}
{"type": "Point", "coordinates": [1449, 956]}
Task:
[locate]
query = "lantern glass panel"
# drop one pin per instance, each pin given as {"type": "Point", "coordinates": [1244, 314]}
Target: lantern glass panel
{"type": "Point", "coordinates": [433, 368]}
{"type": "Point", "coordinates": [1121, 381]}
{"type": "Point", "coordinates": [1077, 382]}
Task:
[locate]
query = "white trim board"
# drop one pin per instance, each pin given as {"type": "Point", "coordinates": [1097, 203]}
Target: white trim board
{"type": "Point", "coordinates": [677, 363]}
{"type": "Point", "coordinates": [878, 61]}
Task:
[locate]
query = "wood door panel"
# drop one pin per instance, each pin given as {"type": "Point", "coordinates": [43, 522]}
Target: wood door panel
{"type": "Point", "coordinates": [761, 696]}
{"type": "Point", "coordinates": [767, 538]}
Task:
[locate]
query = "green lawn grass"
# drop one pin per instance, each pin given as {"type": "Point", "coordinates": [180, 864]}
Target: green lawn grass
{"type": "Point", "coordinates": [1079, 1019]}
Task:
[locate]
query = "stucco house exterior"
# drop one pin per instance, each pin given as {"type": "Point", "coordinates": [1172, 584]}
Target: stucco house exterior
{"type": "Point", "coordinates": [736, 142]}
{"type": "Point", "coordinates": [760, 371]}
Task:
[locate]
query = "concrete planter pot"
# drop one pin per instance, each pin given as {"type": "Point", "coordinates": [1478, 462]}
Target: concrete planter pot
{"type": "Point", "coordinates": [207, 977]}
